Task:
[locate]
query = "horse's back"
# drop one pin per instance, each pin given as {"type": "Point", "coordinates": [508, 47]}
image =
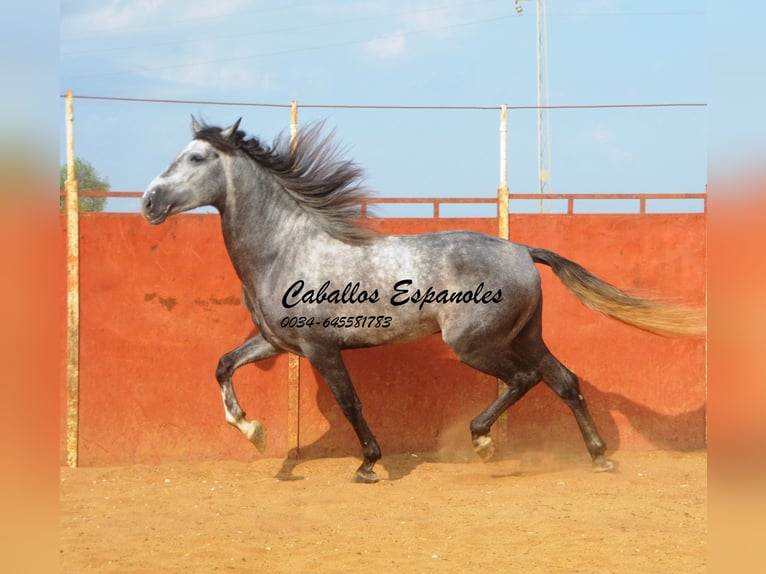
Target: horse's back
{"type": "Point", "coordinates": [501, 274]}
{"type": "Point", "coordinates": [486, 289]}
{"type": "Point", "coordinates": [460, 254]}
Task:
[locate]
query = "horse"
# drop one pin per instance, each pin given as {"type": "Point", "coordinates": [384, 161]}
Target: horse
{"type": "Point", "coordinates": [316, 280]}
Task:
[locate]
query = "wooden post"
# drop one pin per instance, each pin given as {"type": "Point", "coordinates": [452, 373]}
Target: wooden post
{"type": "Point", "coordinates": [503, 230]}
{"type": "Point", "coordinates": [293, 361]}
{"type": "Point", "coordinates": [293, 123]}
{"type": "Point", "coordinates": [73, 293]}
{"type": "Point", "coordinates": [502, 191]}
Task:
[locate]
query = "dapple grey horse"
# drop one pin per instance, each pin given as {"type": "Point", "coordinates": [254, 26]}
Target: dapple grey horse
{"type": "Point", "coordinates": [316, 280]}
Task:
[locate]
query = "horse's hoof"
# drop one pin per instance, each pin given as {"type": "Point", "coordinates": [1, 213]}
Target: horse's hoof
{"type": "Point", "coordinates": [256, 434]}
{"type": "Point", "coordinates": [366, 476]}
{"type": "Point", "coordinates": [484, 446]}
{"type": "Point", "coordinates": [600, 464]}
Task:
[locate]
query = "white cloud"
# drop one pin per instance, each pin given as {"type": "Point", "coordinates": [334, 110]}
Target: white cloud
{"type": "Point", "coordinates": [203, 65]}
{"type": "Point", "coordinates": [601, 135]}
{"type": "Point", "coordinates": [164, 40]}
{"type": "Point", "coordinates": [131, 16]}
{"type": "Point", "coordinates": [386, 47]}
{"type": "Point", "coordinates": [425, 19]}
{"type": "Point", "coordinates": [205, 75]}
{"type": "Point", "coordinates": [436, 15]}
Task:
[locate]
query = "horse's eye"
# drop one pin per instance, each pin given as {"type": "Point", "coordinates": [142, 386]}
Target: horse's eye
{"type": "Point", "coordinates": [196, 158]}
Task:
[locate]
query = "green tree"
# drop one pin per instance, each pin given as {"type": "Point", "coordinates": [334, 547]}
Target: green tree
{"type": "Point", "coordinates": [88, 179]}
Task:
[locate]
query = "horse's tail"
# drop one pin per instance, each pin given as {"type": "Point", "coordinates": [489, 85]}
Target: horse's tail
{"type": "Point", "coordinates": [655, 317]}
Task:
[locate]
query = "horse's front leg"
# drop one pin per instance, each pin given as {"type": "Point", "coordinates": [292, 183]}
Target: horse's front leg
{"type": "Point", "coordinates": [330, 365]}
{"type": "Point", "coordinates": [252, 350]}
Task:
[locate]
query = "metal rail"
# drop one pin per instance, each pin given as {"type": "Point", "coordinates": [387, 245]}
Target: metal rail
{"type": "Point", "coordinates": [437, 202]}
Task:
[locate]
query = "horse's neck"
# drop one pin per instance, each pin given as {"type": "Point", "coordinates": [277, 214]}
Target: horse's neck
{"type": "Point", "coordinates": [259, 221]}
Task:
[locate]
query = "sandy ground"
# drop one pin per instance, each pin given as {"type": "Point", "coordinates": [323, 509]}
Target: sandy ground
{"type": "Point", "coordinates": [530, 513]}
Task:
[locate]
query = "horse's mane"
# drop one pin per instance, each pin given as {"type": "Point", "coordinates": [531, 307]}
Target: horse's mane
{"type": "Point", "coordinates": [311, 171]}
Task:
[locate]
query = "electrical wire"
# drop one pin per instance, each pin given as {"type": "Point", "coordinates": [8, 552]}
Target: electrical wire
{"type": "Point", "coordinates": [389, 106]}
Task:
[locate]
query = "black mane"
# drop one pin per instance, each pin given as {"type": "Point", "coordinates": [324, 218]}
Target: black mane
{"type": "Point", "coordinates": [311, 171]}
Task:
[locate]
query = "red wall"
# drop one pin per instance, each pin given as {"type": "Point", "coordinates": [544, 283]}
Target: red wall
{"type": "Point", "coordinates": [159, 305]}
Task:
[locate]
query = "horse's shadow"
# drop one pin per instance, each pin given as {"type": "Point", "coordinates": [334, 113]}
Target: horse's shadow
{"type": "Point", "coordinates": [665, 432]}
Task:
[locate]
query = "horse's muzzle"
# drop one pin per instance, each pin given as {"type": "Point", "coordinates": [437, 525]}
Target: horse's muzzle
{"type": "Point", "coordinates": [154, 210]}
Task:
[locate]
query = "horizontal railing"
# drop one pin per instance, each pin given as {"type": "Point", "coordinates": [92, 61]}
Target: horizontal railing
{"type": "Point", "coordinates": [436, 203]}
{"type": "Point", "coordinates": [570, 198]}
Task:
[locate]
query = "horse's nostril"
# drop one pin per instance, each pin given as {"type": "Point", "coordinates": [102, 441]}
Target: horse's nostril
{"type": "Point", "coordinates": [148, 204]}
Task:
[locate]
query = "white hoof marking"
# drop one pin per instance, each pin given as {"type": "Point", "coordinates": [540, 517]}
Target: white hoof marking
{"type": "Point", "coordinates": [255, 433]}
{"type": "Point", "coordinates": [484, 446]}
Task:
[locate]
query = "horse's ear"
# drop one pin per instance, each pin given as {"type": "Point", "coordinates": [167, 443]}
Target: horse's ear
{"type": "Point", "coordinates": [195, 125]}
{"type": "Point", "coordinates": [231, 130]}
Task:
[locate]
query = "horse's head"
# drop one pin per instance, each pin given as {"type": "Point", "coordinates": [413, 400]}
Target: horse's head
{"type": "Point", "coordinates": [195, 178]}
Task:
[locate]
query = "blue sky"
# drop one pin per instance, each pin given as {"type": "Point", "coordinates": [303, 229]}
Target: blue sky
{"type": "Point", "coordinates": [429, 53]}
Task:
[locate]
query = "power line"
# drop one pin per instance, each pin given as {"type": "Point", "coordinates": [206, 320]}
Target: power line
{"type": "Point", "coordinates": [391, 106]}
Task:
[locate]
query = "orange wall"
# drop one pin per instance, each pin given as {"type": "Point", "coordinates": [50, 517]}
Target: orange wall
{"type": "Point", "coordinates": [159, 305]}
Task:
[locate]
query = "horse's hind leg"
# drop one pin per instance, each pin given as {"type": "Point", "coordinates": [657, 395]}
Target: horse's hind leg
{"type": "Point", "coordinates": [250, 351]}
{"type": "Point", "coordinates": [508, 361]}
{"type": "Point", "coordinates": [518, 385]}
{"type": "Point", "coordinates": [521, 367]}
{"type": "Point", "coordinates": [330, 365]}
{"type": "Point", "coordinates": [566, 386]}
